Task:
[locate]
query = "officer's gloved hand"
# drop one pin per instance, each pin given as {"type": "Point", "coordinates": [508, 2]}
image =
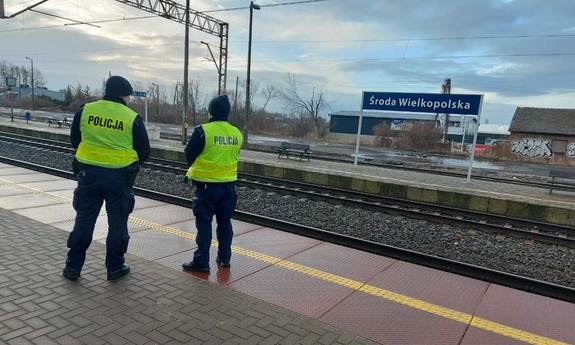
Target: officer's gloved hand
{"type": "Point", "coordinates": [186, 179]}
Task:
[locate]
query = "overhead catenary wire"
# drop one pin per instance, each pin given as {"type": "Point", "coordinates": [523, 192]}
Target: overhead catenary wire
{"type": "Point", "coordinates": [60, 17]}
{"type": "Point", "coordinates": [449, 38]}
{"type": "Point", "coordinates": [345, 59]}
{"type": "Point", "coordinates": [269, 5]}
{"type": "Point", "coordinates": [72, 24]}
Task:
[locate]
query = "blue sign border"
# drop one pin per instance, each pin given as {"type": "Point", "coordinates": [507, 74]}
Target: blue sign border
{"type": "Point", "coordinates": [422, 102]}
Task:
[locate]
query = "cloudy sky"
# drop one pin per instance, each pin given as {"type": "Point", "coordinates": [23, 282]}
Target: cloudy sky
{"type": "Point", "coordinates": [515, 52]}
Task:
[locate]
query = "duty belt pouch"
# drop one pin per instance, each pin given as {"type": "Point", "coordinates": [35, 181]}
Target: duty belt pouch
{"type": "Point", "coordinates": [78, 168]}
{"type": "Point", "coordinates": [131, 173]}
{"type": "Point", "coordinates": [75, 167]}
{"type": "Point", "coordinates": [199, 185]}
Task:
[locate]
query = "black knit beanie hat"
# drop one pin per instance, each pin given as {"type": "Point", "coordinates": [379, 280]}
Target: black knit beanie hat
{"type": "Point", "coordinates": [118, 86]}
{"type": "Point", "coordinates": [219, 107]}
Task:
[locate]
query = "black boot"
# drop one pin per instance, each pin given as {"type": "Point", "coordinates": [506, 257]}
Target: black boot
{"type": "Point", "coordinates": [119, 273]}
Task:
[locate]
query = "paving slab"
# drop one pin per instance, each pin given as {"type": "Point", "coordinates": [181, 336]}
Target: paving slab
{"type": "Point", "coordinates": [152, 305]}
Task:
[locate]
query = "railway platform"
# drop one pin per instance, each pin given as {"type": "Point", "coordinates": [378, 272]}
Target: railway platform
{"type": "Point", "coordinates": [281, 288]}
{"type": "Point", "coordinates": [519, 201]}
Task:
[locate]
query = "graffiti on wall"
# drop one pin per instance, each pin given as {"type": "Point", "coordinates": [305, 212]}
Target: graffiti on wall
{"type": "Point", "coordinates": [534, 148]}
{"type": "Point", "coordinates": [570, 150]}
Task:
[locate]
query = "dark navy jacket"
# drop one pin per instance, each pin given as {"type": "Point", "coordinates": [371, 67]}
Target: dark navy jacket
{"type": "Point", "coordinates": [141, 143]}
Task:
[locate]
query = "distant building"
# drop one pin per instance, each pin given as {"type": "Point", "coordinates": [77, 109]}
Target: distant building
{"type": "Point", "coordinates": [488, 133]}
{"type": "Point", "coordinates": [19, 93]}
{"type": "Point", "coordinates": [543, 132]}
{"type": "Point", "coordinates": [343, 124]}
{"type": "Point", "coordinates": [346, 122]}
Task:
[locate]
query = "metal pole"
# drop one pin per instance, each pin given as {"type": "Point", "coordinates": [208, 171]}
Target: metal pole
{"type": "Point", "coordinates": [185, 91]}
{"type": "Point", "coordinates": [11, 103]}
{"type": "Point", "coordinates": [236, 97]}
{"type": "Point", "coordinates": [247, 125]}
{"type": "Point", "coordinates": [358, 130]}
{"type": "Point", "coordinates": [33, 99]}
{"type": "Point", "coordinates": [223, 69]}
{"type": "Point", "coordinates": [220, 91]}
{"type": "Point", "coordinates": [474, 140]}
{"type": "Point", "coordinates": [2, 14]}
{"type": "Point", "coordinates": [146, 110]}
{"type": "Point", "coordinates": [158, 92]}
{"type": "Point", "coordinates": [32, 72]}
{"type": "Point", "coordinates": [463, 133]}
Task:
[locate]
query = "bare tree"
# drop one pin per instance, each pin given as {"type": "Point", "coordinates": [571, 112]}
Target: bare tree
{"type": "Point", "coordinates": [270, 92]}
{"type": "Point", "coordinates": [237, 115]}
{"type": "Point", "coordinates": [383, 134]}
{"type": "Point", "coordinates": [157, 101]}
{"type": "Point", "coordinates": [301, 125]}
{"type": "Point", "coordinates": [4, 71]}
{"type": "Point", "coordinates": [97, 93]}
{"type": "Point", "coordinates": [294, 102]}
{"type": "Point", "coordinates": [197, 100]}
{"type": "Point", "coordinates": [254, 88]}
{"type": "Point", "coordinates": [39, 80]}
{"type": "Point", "coordinates": [24, 76]}
{"type": "Point", "coordinates": [7, 69]}
{"type": "Point", "coordinates": [422, 136]}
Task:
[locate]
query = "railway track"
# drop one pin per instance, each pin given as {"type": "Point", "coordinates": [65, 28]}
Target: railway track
{"type": "Point", "coordinates": [558, 185]}
{"type": "Point", "coordinates": [530, 230]}
{"type": "Point", "coordinates": [334, 158]}
{"type": "Point", "coordinates": [481, 273]}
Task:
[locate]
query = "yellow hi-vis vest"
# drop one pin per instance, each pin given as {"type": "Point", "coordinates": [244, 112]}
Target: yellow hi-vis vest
{"type": "Point", "coordinates": [107, 139]}
{"type": "Point", "coordinates": [218, 162]}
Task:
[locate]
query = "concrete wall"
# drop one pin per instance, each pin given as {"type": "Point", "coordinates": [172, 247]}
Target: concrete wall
{"type": "Point", "coordinates": [497, 206]}
{"type": "Point", "coordinates": [36, 133]}
{"type": "Point", "coordinates": [351, 138]}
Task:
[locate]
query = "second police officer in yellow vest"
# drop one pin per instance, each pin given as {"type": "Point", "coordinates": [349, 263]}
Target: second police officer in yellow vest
{"type": "Point", "coordinates": [212, 154]}
{"type": "Point", "coordinates": [110, 141]}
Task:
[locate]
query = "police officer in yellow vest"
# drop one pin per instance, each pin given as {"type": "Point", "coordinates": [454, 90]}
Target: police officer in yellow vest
{"type": "Point", "coordinates": [212, 154]}
{"type": "Point", "coordinates": [111, 142]}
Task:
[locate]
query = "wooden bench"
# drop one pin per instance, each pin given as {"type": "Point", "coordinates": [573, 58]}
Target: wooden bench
{"type": "Point", "coordinates": [288, 148]}
{"type": "Point", "coordinates": [567, 175]}
{"type": "Point", "coordinates": [59, 122]}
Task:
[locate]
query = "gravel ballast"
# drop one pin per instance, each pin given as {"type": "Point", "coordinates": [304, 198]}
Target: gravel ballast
{"type": "Point", "coordinates": [539, 261]}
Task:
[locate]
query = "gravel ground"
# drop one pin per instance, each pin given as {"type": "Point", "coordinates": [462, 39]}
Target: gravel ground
{"type": "Point", "coordinates": [538, 261]}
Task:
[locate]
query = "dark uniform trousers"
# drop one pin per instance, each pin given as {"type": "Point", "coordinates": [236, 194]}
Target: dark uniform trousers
{"type": "Point", "coordinates": [95, 186]}
{"type": "Point", "coordinates": [209, 200]}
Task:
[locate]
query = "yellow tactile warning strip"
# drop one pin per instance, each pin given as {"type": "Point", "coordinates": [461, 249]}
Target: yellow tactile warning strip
{"type": "Point", "coordinates": [410, 183]}
{"type": "Point", "coordinates": [490, 326]}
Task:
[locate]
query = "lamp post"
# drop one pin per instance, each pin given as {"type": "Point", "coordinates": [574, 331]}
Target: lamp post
{"type": "Point", "coordinates": [217, 67]}
{"type": "Point", "coordinates": [252, 8]}
{"type": "Point", "coordinates": [186, 62]}
{"type": "Point", "coordinates": [32, 72]}
{"type": "Point", "coordinates": [157, 100]}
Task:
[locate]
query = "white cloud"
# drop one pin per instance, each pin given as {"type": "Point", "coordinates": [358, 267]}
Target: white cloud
{"type": "Point", "coordinates": [152, 49]}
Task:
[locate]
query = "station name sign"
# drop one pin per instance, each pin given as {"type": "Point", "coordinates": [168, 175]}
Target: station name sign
{"type": "Point", "coordinates": [422, 102]}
